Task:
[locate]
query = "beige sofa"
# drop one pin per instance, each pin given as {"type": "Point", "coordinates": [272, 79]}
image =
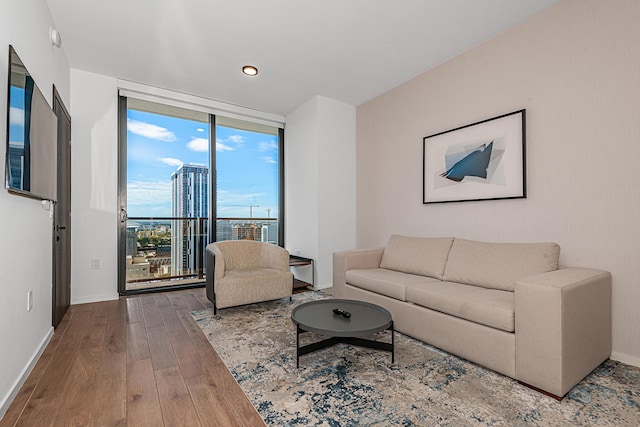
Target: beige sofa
{"type": "Point", "coordinates": [505, 306]}
{"type": "Point", "coordinates": [244, 271]}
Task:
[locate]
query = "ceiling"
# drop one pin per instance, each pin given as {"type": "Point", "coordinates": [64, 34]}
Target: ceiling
{"type": "Point", "coordinates": [348, 50]}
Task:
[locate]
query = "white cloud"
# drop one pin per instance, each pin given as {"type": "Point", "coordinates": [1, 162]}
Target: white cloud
{"type": "Point", "coordinates": [224, 144]}
{"type": "Point", "coordinates": [16, 116]}
{"type": "Point", "coordinates": [238, 205]}
{"type": "Point", "coordinates": [150, 131]}
{"type": "Point", "coordinates": [171, 161]}
{"type": "Point", "coordinates": [268, 146]}
{"type": "Point", "coordinates": [16, 144]}
{"type": "Point", "coordinates": [148, 192]}
{"type": "Point", "coordinates": [226, 198]}
{"type": "Point", "coordinates": [198, 144]}
{"type": "Point", "coordinates": [222, 147]}
{"type": "Point", "coordinates": [238, 139]}
{"type": "Point", "coordinates": [269, 160]}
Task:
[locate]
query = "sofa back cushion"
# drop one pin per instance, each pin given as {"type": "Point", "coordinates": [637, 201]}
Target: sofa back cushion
{"type": "Point", "coordinates": [425, 256]}
{"type": "Point", "coordinates": [498, 265]}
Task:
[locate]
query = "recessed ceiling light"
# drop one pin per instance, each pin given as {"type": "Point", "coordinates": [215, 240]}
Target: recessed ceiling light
{"type": "Point", "coordinates": [250, 70]}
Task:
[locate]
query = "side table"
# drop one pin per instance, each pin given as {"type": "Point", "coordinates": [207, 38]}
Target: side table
{"type": "Point", "coordinates": [299, 261]}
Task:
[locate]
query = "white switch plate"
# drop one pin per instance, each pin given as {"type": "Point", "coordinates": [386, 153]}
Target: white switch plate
{"type": "Point", "coordinates": [29, 300]}
{"type": "Point", "coordinates": [96, 263]}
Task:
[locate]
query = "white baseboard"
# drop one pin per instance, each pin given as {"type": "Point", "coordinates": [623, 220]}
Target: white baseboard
{"type": "Point", "coordinates": [94, 298]}
{"type": "Point", "coordinates": [625, 358]}
{"type": "Point", "coordinates": [8, 399]}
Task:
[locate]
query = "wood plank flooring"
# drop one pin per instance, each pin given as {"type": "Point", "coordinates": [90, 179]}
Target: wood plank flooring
{"type": "Point", "coordinates": [137, 361]}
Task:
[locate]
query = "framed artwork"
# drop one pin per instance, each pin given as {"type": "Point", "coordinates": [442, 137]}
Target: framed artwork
{"type": "Point", "coordinates": [480, 161]}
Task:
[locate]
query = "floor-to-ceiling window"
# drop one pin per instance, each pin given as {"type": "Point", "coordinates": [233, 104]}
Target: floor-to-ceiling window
{"type": "Point", "coordinates": [169, 190]}
{"type": "Point", "coordinates": [247, 181]}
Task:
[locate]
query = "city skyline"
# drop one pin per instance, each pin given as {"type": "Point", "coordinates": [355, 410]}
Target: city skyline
{"type": "Point", "coordinates": [157, 145]}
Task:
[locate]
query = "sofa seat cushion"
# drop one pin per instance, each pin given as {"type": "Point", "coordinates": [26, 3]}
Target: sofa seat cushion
{"type": "Point", "coordinates": [385, 282]}
{"type": "Point", "coordinates": [490, 307]}
{"type": "Point", "coordinates": [425, 256]}
{"type": "Point", "coordinates": [498, 265]}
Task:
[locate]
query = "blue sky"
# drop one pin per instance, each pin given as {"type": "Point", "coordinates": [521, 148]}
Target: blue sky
{"type": "Point", "coordinates": [157, 145]}
{"type": "Point", "coordinates": [16, 116]}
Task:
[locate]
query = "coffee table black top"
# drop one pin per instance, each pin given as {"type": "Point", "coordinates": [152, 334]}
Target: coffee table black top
{"type": "Point", "coordinates": [318, 317]}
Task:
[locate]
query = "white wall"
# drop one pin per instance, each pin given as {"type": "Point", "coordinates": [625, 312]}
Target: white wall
{"type": "Point", "coordinates": [575, 69]}
{"type": "Point", "coordinates": [301, 189]}
{"type": "Point", "coordinates": [336, 183]}
{"type": "Point", "coordinates": [26, 229]}
{"type": "Point", "coordinates": [320, 183]}
{"type": "Point", "coordinates": [94, 174]}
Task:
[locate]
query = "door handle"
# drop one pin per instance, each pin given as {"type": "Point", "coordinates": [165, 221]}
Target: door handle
{"type": "Point", "coordinates": [60, 227]}
{"type": "Point", "coordinates": [123, 215]}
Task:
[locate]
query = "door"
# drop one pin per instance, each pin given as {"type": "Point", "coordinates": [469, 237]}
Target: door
{"type": "Point", "coordinates": [62, 216]}
{"type": "Point", "coordinates": [164, 196]}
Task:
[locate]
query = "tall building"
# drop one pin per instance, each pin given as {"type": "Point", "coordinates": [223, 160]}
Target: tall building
{"type": "Point", "coordinates": [189, 199]}
{"type": "Point", "coordinates": [245, 231]}
{"type": "Point", "coordinates": [223, 230]}
{"type": "Point", "coordinates": [270, 232]}
{"type": "Point", "coordinates": [259, 231]}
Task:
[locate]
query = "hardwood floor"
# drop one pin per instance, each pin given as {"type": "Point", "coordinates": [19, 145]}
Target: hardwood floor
{"type": "Point", "coordinates": [138, 361]}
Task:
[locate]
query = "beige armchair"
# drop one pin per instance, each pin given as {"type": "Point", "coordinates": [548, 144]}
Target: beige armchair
{"type": "Point", "coordinates": [245, 271]}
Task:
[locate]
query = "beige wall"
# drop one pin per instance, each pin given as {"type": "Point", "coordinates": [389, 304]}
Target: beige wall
{"type": "Point", "coordinates": [576, 69]}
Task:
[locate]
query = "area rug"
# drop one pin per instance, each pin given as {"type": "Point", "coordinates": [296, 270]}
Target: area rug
{"type": "Point", "coordinates": [351, 386]}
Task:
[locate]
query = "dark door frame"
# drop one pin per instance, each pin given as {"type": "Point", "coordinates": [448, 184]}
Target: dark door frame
{"type": "Point", "coordinates": [122, 194]}
{"type": "Point", "coordinates": [61, 256]}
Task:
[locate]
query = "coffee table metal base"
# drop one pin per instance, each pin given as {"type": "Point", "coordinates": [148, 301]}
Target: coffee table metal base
{"type": "Point", "coordinates": [360, 342]}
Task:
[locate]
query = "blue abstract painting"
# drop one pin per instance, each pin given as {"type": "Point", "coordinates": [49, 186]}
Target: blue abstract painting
{"type": "Point", "coordinates": [474, 164]}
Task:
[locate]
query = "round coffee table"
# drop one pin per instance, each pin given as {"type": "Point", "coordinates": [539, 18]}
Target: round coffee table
{"type": "Point", "coordinates": [352, 321]}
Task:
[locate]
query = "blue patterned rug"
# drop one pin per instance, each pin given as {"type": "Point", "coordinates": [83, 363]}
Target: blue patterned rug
{"type": "Point", "coordinates": [352, 386]}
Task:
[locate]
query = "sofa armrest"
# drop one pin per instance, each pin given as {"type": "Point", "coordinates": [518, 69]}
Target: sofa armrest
{"type": "Point", "coordinates": [563, 327]}
{"type": "Point", "coordinates": [352, 259]}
